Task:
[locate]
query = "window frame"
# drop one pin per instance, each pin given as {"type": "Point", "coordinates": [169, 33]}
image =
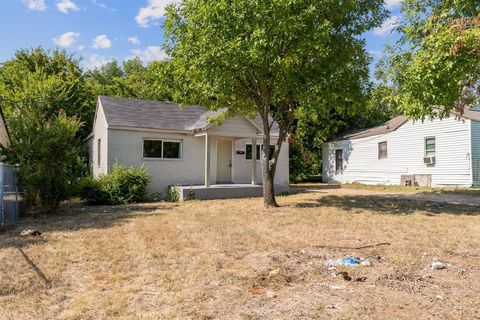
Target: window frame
{"type": "Point", "coordinates": [163, 149]}
{"type": "Point", "coordinates": [337, 170]}
{"type": "Point", "coordinates": [434, 146]}
{"type": "Point", "coordinates": [380, 154]}
{"type": "Point", "coordinates": [99, 152]}
{"type": "Point", "coordinates": [259, 149]}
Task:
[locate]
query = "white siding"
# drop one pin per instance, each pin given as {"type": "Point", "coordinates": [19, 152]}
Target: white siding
{"type": "Point", "coordinates": [234, 127]}
{"type": "Point", "coordinates": [476, 153]}
{"type": "Point", "coordinates": [100, 131]}
{"type": "Point", "coordinates": [242, 168]}
{"type": "Point", "coordinates": [126, 148]}
{"type": "Point", "coordinates": [406, 150]}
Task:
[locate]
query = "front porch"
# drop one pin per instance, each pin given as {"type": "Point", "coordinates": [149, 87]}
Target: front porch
{"type": "Point", "coordinates": [231, 162]}
{"type": "Point", "coordinates": [219, 191]}
{"type": "Point", "coordinates": [224, 191]}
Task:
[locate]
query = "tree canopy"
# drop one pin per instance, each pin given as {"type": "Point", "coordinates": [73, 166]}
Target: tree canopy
{"type": "Point", "coordinates": [44, 97]}
{"type": "Point", "coordinates": [132, 79]}
{"type": "Point", "coordinates": [434, 67]}
{"type": "Point", "coordinates": [37, 76]}
{"type": "Point", "coordinates": [283, 60]}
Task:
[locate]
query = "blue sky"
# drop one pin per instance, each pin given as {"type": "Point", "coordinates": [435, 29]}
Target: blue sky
{"type": "Point", "coordinates": [101, 30]}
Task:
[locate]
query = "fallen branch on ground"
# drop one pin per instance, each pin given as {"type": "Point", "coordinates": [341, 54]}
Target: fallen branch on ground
{"type": "Point", "coordinates": [355, 248]}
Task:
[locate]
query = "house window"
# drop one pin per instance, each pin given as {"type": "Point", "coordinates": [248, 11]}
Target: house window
{"type": "Point", "coordinates": [338, 160]}
{"type": "Point", "coordinates": [99, 152]}
{"type": "Point", "coordinates": [248, 151]}
{"type": "Point", "coordinates": [162, 149]}
{"type": "Point", "coordinates": [382, 150]}
{"type": "Point", "coordinates": [430, 147]}
{"type": "Point", "coordinates": [171, 150]}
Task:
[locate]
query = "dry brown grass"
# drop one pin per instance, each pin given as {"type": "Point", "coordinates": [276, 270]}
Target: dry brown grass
{"type": "Point", "coordinates": [232, 259]}
{"type": "Point", "coordinates": [389, 188]}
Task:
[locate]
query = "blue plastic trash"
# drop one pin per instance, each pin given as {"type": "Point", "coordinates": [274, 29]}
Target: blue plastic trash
{"type": "Point", "coordinates": [349, 261]}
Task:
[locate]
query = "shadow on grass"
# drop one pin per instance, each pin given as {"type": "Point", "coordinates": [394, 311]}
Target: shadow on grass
{"type": "Point", "coordinates": [77, 217]}
{"type": "Point", "coordinates": [390, 205]}
{"type": "Point", "coordinates": [316, 186]}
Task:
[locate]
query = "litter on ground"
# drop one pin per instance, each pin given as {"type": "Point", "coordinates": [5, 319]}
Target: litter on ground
{"type": "Point", "coordinates": [437, 265]}
{"type": "Point", "coordinates": [30, 232]}
{"type": "Point", "coordinates": [348, 261]}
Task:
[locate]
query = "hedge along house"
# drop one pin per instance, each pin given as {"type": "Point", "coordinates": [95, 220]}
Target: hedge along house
{"type": "Point", "coordinates": [180, 146]}
{"type": "Point", "coordinates": [437, 153]}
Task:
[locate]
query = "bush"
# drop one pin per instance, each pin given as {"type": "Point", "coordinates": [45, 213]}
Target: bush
{"type": "Point", "coordinates": [122, 185]}
{"type": "Point", "coordinates": [191, 194]}
{"type": "Point", "coordinates": [90, 190]}
{"type": "Point", "coordinates": [173, 193]}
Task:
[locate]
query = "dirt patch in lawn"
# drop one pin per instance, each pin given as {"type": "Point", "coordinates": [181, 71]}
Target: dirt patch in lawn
{"type": "Point", "coordinates": [232, 259]}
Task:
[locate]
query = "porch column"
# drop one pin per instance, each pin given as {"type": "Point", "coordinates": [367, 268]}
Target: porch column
{"type": "Point", "coordinates": [254, 161]}
{"type": "Point", "coordinates": [207, 160]}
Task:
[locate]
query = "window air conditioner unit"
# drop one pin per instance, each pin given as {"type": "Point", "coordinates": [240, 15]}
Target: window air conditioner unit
{"type": "Point", "coordinates": [429, 160]}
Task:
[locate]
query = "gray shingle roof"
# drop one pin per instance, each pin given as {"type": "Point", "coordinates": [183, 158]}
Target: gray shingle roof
{"type": "Point", "coordinates": [470, 114]}
{"type": "Point", "coordinates": [395, 123]}
{"type": "Point", "coordinates": [202, 122]}
{"type": "Point", "coordinates": [387, 127]}
{"type": "Point", "coordinates": [148, 114]}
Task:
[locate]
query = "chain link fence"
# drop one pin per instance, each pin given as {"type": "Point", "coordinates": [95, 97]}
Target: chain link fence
{"type": "Point", "coordinates": [10, 197]}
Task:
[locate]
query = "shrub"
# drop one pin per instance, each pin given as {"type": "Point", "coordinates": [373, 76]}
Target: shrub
{"type": "Point", "coordinates": [90, 190]}
{"type": "Point", "coordinates": [173, 193]}
{"type": "Point", "coordinates": [122, 185]}
{"type": "Point", "coordinates": [191, 194]}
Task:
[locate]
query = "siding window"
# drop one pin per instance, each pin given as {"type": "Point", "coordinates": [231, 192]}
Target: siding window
{"type": "Point", "coordinates": [430, 147]}
{"type": "Point", "coordinates": [171, 150]}
{"type": "Point", "coordinates": [248, 151]}
{"type": "Point", "coordinates": [382, 150]}
{"type": "Point", "coordinates": [99, 152]}
{"type": "Point", "coordinates": [160, 149]}
{"type": "Point", "coordinates": [338, 160]}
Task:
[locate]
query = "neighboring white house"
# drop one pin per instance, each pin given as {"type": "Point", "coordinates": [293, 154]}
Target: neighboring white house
{"type": "Point", "coordinates": [171, 143]}
{"type": "Point", "coordinates": [437, 153]}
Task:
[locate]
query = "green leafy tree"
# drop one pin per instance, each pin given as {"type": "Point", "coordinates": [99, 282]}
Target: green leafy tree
{"type": "Point", "coordinates": [45, 147]}
{"type": "Point", "coordinates": [132, 79]}
{"type": "Point", "coordinates": [283, 60]}
{"type": "Point", "coordinates": [44, 99]}
{"type": "Point", "coordinates": [434, 67]}
{"type": "Point", "coordinates": [34, 76]}
{"type": "Point", "coordinates": [311, 130]}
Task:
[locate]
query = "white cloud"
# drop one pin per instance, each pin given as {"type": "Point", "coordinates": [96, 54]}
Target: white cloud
{"type": "Point", "coordinates": [101, 42]}
{"type": "Point", "coordinates": [36, 5]}
{"type": "Point", "coordinates": [387, 26]}
{"type": "Point", "coordinates": [134, 41]}
{"type": "Point", "coordinates": [67, 39]}
{"type": "Point", "coordinates": [151, 53]}
{"type": "Point", "coordinates": [391, 4]}
{"type": "Point", "coordinates": [101, 5]}
{"type": "Point", "coordinates": [153, 11]}
{"type": "Point", "coordinates": [67, 5]}
{"type": "Point", "coordinates": [80, 48]}
{"type": "Point", "coordinates": [96, 61]}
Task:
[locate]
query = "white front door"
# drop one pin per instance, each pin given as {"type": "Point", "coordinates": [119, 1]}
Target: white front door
{"type": "Point", "coordinates": [224, 161]}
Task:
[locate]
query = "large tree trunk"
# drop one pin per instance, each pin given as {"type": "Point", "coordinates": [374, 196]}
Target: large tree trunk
{"type": "Point", "coordinates": [268, 181]}
{"type": "Point", "coordinates": [269, 168]}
